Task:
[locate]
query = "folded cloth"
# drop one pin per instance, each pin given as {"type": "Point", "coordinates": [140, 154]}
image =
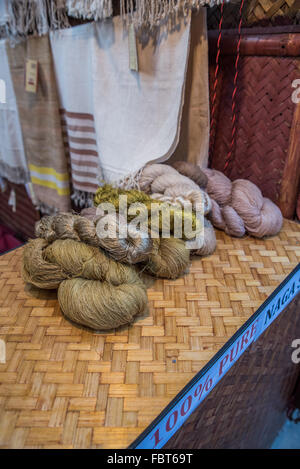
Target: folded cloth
{"type": "Point", "coordinates": [41, 125]}
{"type": "Point", "coordinates": [193, 143]}
{"type": "Point", "coordinates": [13, 164]}
{"type": "Point", "coordinates": [132, 117]}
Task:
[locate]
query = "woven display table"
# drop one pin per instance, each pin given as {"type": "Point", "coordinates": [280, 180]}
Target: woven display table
{"type": "Point", "coordinates": [65, 387]}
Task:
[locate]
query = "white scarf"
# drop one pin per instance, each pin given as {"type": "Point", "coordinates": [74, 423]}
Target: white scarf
{"type": "Point", "coordinates": [13, 165]}
{"type": "Point", "coordinates": [121, 118]}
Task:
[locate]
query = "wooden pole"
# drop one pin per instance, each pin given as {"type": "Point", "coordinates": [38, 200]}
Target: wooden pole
{"type": "Point", "coordinates": [283, 45]}
{"type": "Point", "coordinates": [291, 174]}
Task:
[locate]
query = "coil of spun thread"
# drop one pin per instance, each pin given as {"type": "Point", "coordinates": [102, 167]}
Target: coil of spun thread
{"type": "Point", "coordinates": [165, 183]}
{"type": "Point", "coordinates": [161, 257]}
{"type": "Point", "coordinates": [93, 290]}
{"type": "Point", "coordinates": [83, 228]}
{"type": "Point", "coordinates": [166, 214]}
{"type": "Point", "coordinates": [193, 172]}
{"type": "Point", "coordinates": [239, 206]}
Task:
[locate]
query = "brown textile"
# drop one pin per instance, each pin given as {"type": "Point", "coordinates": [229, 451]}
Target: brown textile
{"type": "Point", "coordinates": [41, 125]}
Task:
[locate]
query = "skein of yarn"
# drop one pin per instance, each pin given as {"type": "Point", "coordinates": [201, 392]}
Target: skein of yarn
{"type": "Point", "coordinates": [165, 183]}
{"type": "Point", "coordinates": [83, 228]}
{"type": "Point", "coordinates": [239, 206]}
{"type": "Point", "coordinates": [161, 257]}
{"type": "Point", "coordinates": [169, 258]}
{"type": "Point", "coordinates": [165, 217]}
{"type": "Point", "coordinates": [93, 290]}
{"type": "Point", "coordinates": [194, 172]}
{"type": "Point", "coordinates": [242, 207]}
{"type": "Point", "coordinates": [210, 240]}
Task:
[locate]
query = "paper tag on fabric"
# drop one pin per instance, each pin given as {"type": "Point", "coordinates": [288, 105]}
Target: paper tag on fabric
{"type": "Point", "coordinates": [12, 201]}
{"type": "Point", "coordinates": [31, 76]}
{"type": "Point", "coordinates": [133, 57]}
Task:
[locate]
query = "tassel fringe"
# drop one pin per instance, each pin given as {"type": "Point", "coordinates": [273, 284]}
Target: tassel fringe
{"type": "Point", "coordinates": [90, 9]}
{"type": "Point", "coordinates": [151, 13]}
{"type": "Point", "coordinates": [40, 16]}
{"type": "Point", "coordinates": [82, 199]}
{"type": "Point", "coordinates": [34, 17]}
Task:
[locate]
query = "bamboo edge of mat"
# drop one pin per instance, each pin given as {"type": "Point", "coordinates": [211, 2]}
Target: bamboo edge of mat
{"type": "Point", "coordinates": [65, 387]}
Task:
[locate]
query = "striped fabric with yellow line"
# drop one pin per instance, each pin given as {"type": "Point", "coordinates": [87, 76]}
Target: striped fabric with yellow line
{"type": "Point", "coordinates": [49, 177]}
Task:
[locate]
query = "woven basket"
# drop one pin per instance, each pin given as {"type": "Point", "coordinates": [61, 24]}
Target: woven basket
{"type": "Point", "coordinates": [256, 13]}
{"type": "Point", "coordinates": [267, 121]}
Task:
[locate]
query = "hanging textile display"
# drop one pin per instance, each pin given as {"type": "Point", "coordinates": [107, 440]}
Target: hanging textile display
{"type": "Point", "coordinates": [81, 149]}
{"type": "Point", "coordinates": [73, 56]}
{"type": "Point", "coordinates": [135, 120]}
{"type": "Point", "coordinates": [193, 143]}
{"type": "Point", "coordinates": [40, 122]}
{"type": "Point", "coordinates": [13, 164]}
{"type": "Point", "coordinates": [21, 18]}
{"type": "Point", "coordinates": [142, 13]}
{"type": "Point", "coordinates": [151, 13]}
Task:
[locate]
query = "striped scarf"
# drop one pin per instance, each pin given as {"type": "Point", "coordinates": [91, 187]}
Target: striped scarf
{"type": "Point", "coordinates": [41, 126]}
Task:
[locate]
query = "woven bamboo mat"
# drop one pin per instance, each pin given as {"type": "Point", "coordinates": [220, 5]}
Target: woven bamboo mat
{"type": "Point", "coordinates": [65, 387]}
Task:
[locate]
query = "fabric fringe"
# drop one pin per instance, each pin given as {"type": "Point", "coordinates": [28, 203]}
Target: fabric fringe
{"type": "Point", "coordinates": [16, 175]}
{"type": "Point", "coordinates": [90, 9]}
{"type": "Point", "coordinates": [46, 210]}
{"type": "Point", "coordinates": [131, 181]}
{"type": "Point", "coordinates": [82, 199]}
{"type": "Point", "coordinates": [151, 13]}
{"type": "Point", "coordinates": [36, 17]}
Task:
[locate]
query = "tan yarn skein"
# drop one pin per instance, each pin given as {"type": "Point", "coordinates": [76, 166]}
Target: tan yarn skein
{"type": "Point", "coordinates": [210, 240]}
{"type": "Point", "coordinates": [169, 258]}
{"type": "Point", "coordinates": [93, 290]}
{"type": "Point", "coordinates": [161, 257]}
{"type": "Point", "coordinates": [165, 183]}
{"type": "Point", "coordinates": [70, 226]}
{"type": "Point", "coordinates": [193, 172]}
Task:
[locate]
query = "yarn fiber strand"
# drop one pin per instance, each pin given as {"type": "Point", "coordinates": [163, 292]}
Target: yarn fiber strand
{"type": "Point", "coordinates": [161, 257]}
{"type": "Point", "coordinates": [239, 206]}
{"type": "Point", "coordinates": [93, 290]}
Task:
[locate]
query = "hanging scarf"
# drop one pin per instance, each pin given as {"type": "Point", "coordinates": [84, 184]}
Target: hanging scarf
{"type": "Point", "coordinates": [114, 117]}
{"type": "Point", "coordinates": [41, 127]}
{"type": "Point", "coordinates": [13, 165]}
{"type": "Point", "coordinates": [73, 56]}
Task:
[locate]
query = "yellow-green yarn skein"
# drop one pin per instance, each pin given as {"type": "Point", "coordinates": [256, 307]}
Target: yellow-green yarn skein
{"type": "Point", "coordinates": [93, 290]}
{"type": "Point", "coordinates": [110, 194]}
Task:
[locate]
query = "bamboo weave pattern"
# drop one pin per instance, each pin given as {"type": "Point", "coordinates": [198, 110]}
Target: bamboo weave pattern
{"type": "Point", "coordinates": [65, 387]}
